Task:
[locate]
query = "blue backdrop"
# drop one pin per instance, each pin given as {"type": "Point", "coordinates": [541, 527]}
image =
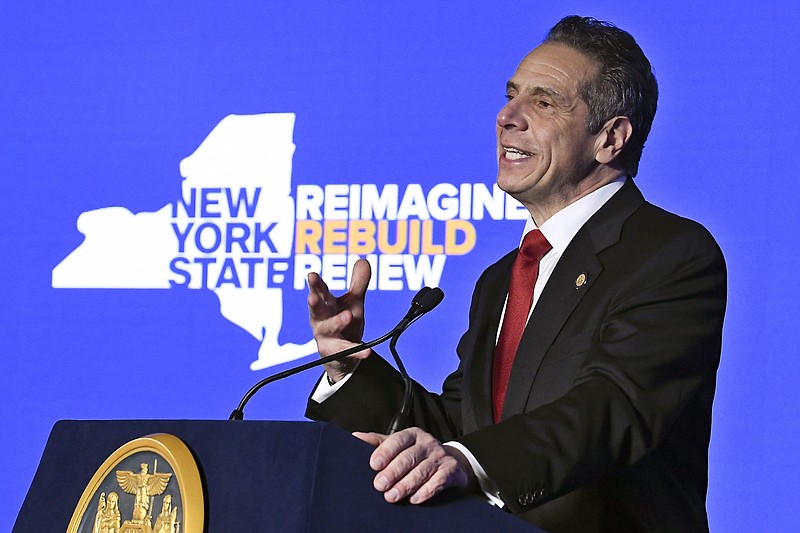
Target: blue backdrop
{"type": "Point", "coordinates": [101, 103]}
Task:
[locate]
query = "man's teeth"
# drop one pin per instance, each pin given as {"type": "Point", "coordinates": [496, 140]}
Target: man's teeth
{"type": "Point", "coordinates": [513, 154]}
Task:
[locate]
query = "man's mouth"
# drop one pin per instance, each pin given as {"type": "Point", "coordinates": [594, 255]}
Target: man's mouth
{"type": "Point", "coordinates": [515, 153]}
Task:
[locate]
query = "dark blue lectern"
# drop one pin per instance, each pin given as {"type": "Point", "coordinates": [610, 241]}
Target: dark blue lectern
{"type": "Point", "coordinates": [257, 476]}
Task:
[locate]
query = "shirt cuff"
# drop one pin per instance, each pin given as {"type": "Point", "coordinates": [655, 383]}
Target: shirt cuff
{"type": "Point", "coordinates": [488, 487]}
{"type": "Point", "coordinates": [325, 390]}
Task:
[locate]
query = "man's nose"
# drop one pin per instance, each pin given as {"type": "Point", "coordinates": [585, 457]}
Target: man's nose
{"type": "Point", "coordinates": [510, 116]}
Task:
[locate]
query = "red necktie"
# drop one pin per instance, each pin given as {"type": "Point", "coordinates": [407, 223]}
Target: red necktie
{"type": "Point", "coordinates": [520, 298]}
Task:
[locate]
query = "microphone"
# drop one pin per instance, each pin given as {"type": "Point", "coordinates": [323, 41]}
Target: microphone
{"type": "Point", "coordinates": [420, 304]}
{"type": "Point", "coordinates": [425, 300]}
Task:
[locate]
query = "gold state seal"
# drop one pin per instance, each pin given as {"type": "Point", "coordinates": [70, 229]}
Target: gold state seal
{"type": "Point", "coordinates": [125, 492]}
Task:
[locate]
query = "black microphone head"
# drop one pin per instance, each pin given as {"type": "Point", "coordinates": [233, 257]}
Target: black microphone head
{"type": "Point", "coordinates": [431, 299]}
{"type": "Point", "coordinates": [425, 300]}
{"type": "Point", "coordinates": [420, 294]}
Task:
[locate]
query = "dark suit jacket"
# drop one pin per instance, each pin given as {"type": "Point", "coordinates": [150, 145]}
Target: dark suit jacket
{"type": "Point", "coordinates": [607, 417]}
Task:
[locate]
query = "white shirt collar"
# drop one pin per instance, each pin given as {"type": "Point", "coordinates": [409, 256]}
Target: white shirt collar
{"type": "Point", "coordinates": [562, 227]}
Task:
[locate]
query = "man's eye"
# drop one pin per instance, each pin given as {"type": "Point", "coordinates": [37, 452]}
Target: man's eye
{"type": "Point", "coordinates": [545, 104]}
{"type": "Point", "coordinates": [509, 97]}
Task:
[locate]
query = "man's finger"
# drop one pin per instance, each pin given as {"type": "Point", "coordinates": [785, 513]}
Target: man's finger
{"type": "Point", "coordinates": [332, 326]}
{"type": "Point", "coordinates": [362, 272]}
{"type": "Point", "coordinates": [406, 474]}
{"type": "Point", "coordinates": [435, 484]}
{"type": "Point", "coordinates": [390, 447]}
{"type": "Point", "coordinates": [316, 283]}
{"type": "Point", "coordinates": [370, 438]}
{"type": "Point", "coordinates": [319, 297]}
{"type": "Point", "coordinates": [316, 305]}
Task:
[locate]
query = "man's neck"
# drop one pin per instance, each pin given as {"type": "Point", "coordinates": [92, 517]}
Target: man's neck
{"type": "Point", "coordinates": [541, 211]}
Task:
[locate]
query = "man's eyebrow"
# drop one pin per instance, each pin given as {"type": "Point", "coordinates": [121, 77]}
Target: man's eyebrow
{"type": "Point", "coordinates": [537, 90]}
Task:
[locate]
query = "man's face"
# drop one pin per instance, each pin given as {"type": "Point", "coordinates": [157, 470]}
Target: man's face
{"type": "Point", "coordinates": [543, 147]}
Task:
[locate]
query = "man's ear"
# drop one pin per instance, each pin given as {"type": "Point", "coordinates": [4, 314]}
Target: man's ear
{"type": "Point", "coordinates": [612, 138]}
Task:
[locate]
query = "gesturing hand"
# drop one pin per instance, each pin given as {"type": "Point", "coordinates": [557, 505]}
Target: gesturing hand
{"type": "Point", "coordinates": [413, 464]}
{"type": "Point", "coordinates": [338, 323]}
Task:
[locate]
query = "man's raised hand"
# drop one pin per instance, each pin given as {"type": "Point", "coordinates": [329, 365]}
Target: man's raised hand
{"type": "Point", "coordinates": [338, 323]}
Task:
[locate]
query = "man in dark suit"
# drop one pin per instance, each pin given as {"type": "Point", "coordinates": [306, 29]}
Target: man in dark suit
{"type": "Point", "coordinates": [583, 395]}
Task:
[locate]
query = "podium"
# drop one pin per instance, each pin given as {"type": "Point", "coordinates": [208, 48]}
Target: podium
{"type": "Point", "coordinates": [257, 476]}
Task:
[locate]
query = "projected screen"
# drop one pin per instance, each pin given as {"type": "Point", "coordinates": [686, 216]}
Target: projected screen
{"type": "Point", "coordinates": [172, 173]}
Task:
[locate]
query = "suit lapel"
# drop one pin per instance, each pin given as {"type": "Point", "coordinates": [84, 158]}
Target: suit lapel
{"type": "Point", "coordinates": [564, 291]}
{"type": "Point", "coordinates": [559, 298]}
{"type": "Point", "coordinates": [487, 317]}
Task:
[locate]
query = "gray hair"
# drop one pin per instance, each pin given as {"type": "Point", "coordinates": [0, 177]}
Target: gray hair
{"type": "Point", "coordinates": [623, 86]}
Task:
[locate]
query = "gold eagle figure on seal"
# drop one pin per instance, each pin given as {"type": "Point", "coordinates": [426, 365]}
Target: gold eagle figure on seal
{"type": "Point", "coordinates": [144, 486]}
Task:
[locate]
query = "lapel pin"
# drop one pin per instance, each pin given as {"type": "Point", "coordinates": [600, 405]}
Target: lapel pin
{"type": "Point", "coordinates": [580, 281]}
